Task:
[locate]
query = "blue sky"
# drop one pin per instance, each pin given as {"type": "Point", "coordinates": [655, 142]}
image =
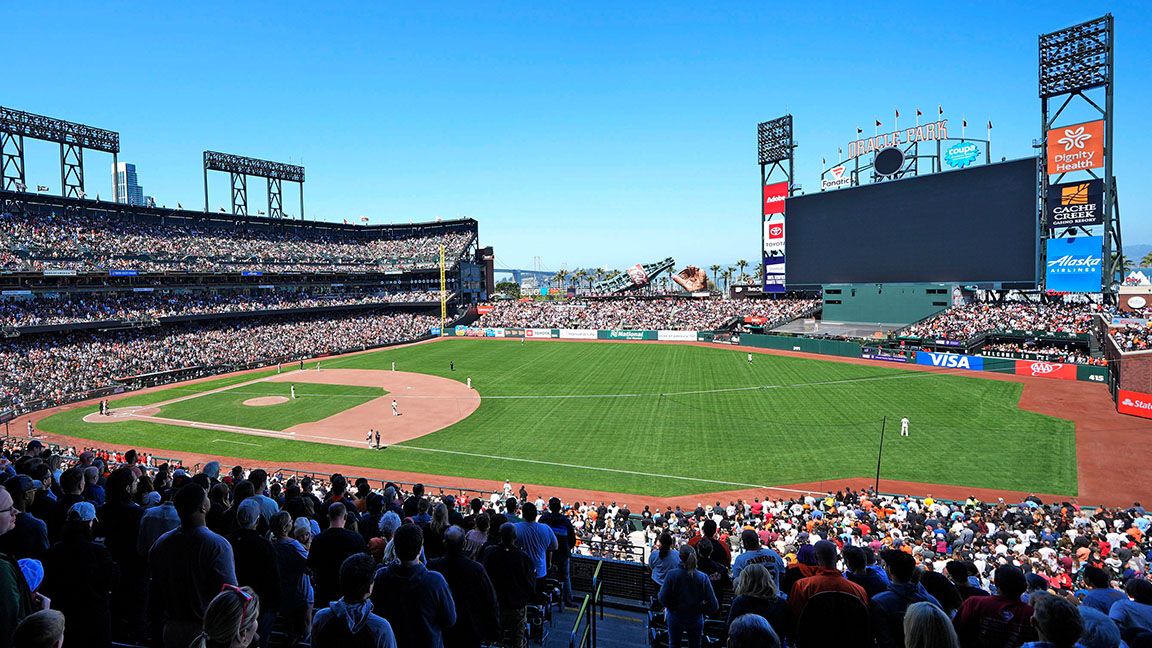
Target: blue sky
{"type": "Point", "coordinates": [586, 134]}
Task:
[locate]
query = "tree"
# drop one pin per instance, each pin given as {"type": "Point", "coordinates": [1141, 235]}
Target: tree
{"type": "Point", "coordinates": [1146, 262]}
{"type": "Point", "coordinates": [561, 275]}
{"type": "Point", "coordinates": [742, 264]}
{"type": "Point", "coordinates": [727, 275]}
{"type": "Point", "coordinates": [509, 288]}
{"type": "Point", "coordinates": [715, 268]}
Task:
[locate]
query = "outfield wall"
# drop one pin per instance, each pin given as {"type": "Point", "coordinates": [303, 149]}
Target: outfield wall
{"type": "Point", "coordinates": [818, 346]}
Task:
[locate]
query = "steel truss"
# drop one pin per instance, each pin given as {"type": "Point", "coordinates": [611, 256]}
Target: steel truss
{"type": "Point", "coordinates": [240, 167]}
{"type": "Point", "coordinates": [777, 149]}
{"type": "Point", "coordinates": [73, 138]}
{"type": "Point", "coordinates": [1073, 62]}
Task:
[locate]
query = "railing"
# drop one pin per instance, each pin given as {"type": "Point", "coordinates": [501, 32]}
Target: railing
{"type": "Point", "coordinates": [584, 630]}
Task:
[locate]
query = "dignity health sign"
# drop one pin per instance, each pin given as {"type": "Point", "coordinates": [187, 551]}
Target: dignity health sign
{"type": "Point", "coordinates": [1074, 264]}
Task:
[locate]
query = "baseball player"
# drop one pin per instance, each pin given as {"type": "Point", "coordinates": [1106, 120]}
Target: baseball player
{"type": "Point", "coordinates": [293, 392]}
{"type": "Point", "coordinates": [749, 358]}
{"type": "Point", "coordinates": [395, 409]}
{"type": "Point", "coordinates": [377, 439]}
{"type": "Point", "coordinates": [904, 426]}
{"type": "Point", "coordinates": [368, 438]}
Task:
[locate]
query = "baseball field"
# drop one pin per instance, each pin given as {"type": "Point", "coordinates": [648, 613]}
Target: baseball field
{"type": "Point", "coordinates": [648, 419]}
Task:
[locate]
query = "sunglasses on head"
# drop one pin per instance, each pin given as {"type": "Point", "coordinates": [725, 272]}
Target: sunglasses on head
{"type": "Point", "coordinates": [244, 595]}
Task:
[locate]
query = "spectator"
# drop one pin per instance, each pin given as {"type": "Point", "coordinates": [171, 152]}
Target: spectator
{"type": "Point", "coordinates": [43, 629]}
{"type": "Point", "coordinates": [708, 532]}
{"type": "Point", "coordinates": [256, 565]}
{"type": "Point", "coordinates": [958, 574]}
{"type": "Point", "coordinates": [717, 573]}
{"type": "Point", "coordinates": [537, 540]}
{"type": "Point", "coordinates": [565, 542]}
{"type": "Point", "coordinates": [996, 621]}
{"type": "Point", "coordinates": [328, 552]}
{"type": "Point", "coordinates": [416, 602]}
{"type": "Point", "coordinates": [434, 530]}
{"type": "Point", "coordinates": [513, 577]}
{"type": "Point", "coordinates": [752, 631]}
{"type": "Point", "coordinates": [1132, 616]}
{"type": "Point", "coordinates": [268, 506]}
{"type": "Point", "coordinates": [16, 601]}
{"type": "Point", "coordinates": [93, 491]}
{"type": "Point", "coordinates": [888, 608]}
{"type": "Point", "coordinates": [856, 561]}
{"type": "Point", "coordinates": [350, 622]}
{"type": "Point", "coordinates": [71, 484]}
{"type": "Point", "coordinates": [29, 538]}
{"type": "Point", "coordinates": [826, 578]}
{"type": "Point", "coordinates": [477, 618]}
{"type": "Point", "coordinates": [663, 560]}
{"type": "Point", "coordinates": [1101, 595]}
{"type": "Point", "coordinates": [155, 522]}
{"type": "Point", "coordinates": [189, 566]}
{"type": "Point", "coordinates": [118, 521]}
{"type": "Point", "coordinates": [1058, 624]}
{"type": "Point", "coordinates": [79, 575]}
{"type": "Point", "coordinates": [754, 553]}
{"type": "Point", "coordinates": [756, 594]}
{"type": "Point", "coordinates": [231, 619]}
{"type": "Point", "coordinates": [296, 594]}
{"type": "Point", "coordinates": [687, 597]}
{"type": "Point", "coordinates": [927, 626]}
{"type": "Point", "coordinates": [1099, 630]}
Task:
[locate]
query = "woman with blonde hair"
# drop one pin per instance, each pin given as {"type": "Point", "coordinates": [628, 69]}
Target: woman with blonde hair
{"type": "Point", "coordinates": [926, 626]}
{"type": "Point", "coordinates": [230, 620]}
{"type": "Point", "coordinates": [756, 593]}
{"type": "Point", "coordinates": [434, 531]}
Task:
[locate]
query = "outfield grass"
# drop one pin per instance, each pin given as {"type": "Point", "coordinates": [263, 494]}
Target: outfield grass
{"type": "Point", "coordinates": [314, 402]}
{"type": "Point", "coordinates": [692, 419]}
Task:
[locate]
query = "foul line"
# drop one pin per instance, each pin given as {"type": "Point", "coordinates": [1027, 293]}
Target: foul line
{"type": "Point", "coordinates": [601, 469]}
{"type": "Point", "coordinates": [255, 445]}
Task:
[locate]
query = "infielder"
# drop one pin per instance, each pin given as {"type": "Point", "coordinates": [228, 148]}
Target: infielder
{"type": "Point", "coordinates": [293, 392]}
{"type": "Point", "coordinates": [395, 409]}
{"type": "Point", "coordinates": [368, 438]}
{"type": "Point", "coordinates": [749, 358]}
{"type": "Point", "coordinates": [904, 426]}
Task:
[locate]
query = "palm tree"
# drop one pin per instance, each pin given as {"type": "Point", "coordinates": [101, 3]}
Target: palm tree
{"type": "Point", "coordinates": [715, 268]}
{"type": "Point", "coordinates": [742, 264]}
{"type": "Point", "coordinates": [727, 276]}
{"type": "Point", "coordinates": [561, 275]}
{"type": "Point", "coordinates": [1146, 262]}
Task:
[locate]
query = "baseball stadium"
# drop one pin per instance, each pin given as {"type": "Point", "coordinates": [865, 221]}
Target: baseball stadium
{"type": "Point", "coordinates": [920, 410]}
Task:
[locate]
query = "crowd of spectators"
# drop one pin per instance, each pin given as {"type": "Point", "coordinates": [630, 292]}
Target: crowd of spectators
{"type": "Point", "coordinates": [643, 314]}
{"type": "Point", "coordinates": [92, 307]}
{"type": "Point", "coordinates": [967, 321]}
{"type": "Point", "coordinates": [34, 241]}
{"type": "Point", "coordinates": [1047, 352]}
{"type": "Point", "coordinates": [125, 552]}
{"type": "Point", "coordinates": [1132, 337]}
{"type": "Point", "coordinates": [58, 368]}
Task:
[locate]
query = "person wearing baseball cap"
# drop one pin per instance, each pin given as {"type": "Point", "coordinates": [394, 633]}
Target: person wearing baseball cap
{"type": "Point", "coordinates": [888, 607]}
{"type": "Point", "coordinates": [78, 577]}
{"type": "Point", "coordinates": [29, 538]}
{"type": "Point", "coordinates": [1002, 619]}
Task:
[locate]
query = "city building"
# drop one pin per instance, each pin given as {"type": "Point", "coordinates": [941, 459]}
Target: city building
{"type": "Point", "coordinates": [127, 186]}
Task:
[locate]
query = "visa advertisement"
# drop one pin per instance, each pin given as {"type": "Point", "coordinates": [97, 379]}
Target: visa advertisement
{"type": "Point", "coordinates": [1074, 265]}
{"type": "Point", "coordinates": [950, 360]}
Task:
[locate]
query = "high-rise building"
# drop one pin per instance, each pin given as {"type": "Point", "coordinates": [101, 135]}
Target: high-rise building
{"type": "Point", "coordinates": [128, 189]}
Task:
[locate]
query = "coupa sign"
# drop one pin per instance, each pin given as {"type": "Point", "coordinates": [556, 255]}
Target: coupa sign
{"type": "Point", "coordinates": [950, 360]}
{"type": "Point", "coordinates": [961, 155]}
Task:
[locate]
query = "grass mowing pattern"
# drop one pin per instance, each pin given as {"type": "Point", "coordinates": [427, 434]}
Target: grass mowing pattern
{"type": "Point", "coordinates": [794, 420]}
{"type": "Point", "coordinates": [314, 402]}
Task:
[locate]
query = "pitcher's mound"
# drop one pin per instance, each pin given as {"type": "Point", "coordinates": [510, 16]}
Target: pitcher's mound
{"type": "Point", "coordinates": [266, 400]}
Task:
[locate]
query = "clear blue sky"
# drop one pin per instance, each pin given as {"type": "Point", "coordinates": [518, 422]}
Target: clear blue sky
{"type": "Point", "coordinates": [586, 134]}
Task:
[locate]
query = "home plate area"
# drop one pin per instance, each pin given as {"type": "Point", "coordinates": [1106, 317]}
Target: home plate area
{"type": "Point", "coordinates": [425, 404]}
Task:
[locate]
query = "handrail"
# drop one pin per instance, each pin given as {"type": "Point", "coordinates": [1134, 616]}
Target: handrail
{"type": "Point", "coordinates": [585, 637]}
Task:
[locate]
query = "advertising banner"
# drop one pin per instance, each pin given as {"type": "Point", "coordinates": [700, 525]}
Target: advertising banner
{"type": "Point", "coordinates": [1042, 369]}
{"type": "Point", "coordinates": [835, 178]}
{"type": "Point", "coordinates": [59, 273]}
{"type": "Point", "coordinates": [774, 234]}
{"type": "Point", "coordinates": [873, 353]}
{"type": "Point", "coordinates": [494, 332]}
{"type": "Point", "coordinates": [950, 360]}
{"type": "Point", "coordinates": [578, 334]}
{"type": "Point", "coordinates": [774, 274]}
{"type": "Point", "coordinates": [435, 330]}
{"type": "Point", "coordinates": [1076, 203]}
{"type": "Point", "coordinates": [775, 197]}
{"type": "Point", "coordinates": [1092, 373]}
{"type": "Point", "coordinates": [1075, 264]}
{"type": "Point", "coordinates": [676, 336]}
{"type": "Point", "coordinates": [961, 154]}
{"type": "Point", "coordinates": [122, 273]}
{"type": "Point", "coordinates": [626, 335]}
{"type": "Point", "coordinates": [1134, 403]}
{"type": "Point", "coordinates": [540, 333]}
{"type": "Point", "coordinates": [1078, 147]}
{"type": "Point", "coordinates": [514, 332]}
{"type": "Point", "coordinates": [484, 309]}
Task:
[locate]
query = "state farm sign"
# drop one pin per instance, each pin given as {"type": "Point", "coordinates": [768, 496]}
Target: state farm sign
{"type": "Point", "coordinates": [1134, 403]}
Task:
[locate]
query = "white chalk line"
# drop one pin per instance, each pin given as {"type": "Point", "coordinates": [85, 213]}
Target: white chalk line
{"type": "Point", "coordinates": [254, 445]}
{"type": "Point", "coordinates": [598, 468]}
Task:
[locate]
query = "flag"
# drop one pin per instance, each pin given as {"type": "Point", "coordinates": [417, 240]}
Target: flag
{"type": "Point", "coordinates": [964, 123]}
{"type": "Point", "coordinates": [918, 113]}
{"type": "Point", "coordinates": [364, 219]}
{"type": "Point", "coordinates": [840, 152]}
{"type": "Point", "coordinates": [878, 124]}
{"type": "Point", "coordinates": [823, 162]}
{"type": "Point", "coordinates": [859, 131]}
{"type": "Point", "coordinates": [897, 113]}
{"type": "Point", "coordinates": [989, 124]}
{"type": "Point", "coordinates": [940, 109]}
{"type": "Point", "coordinates": [179, 206]}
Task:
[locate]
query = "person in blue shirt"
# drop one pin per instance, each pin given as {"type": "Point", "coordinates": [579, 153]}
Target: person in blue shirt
{"type": "Point", "coordinates": [1057, 622]}
{"type": "Point", "coordinates": [1100, 594]}
{"type": "Point", "coordinates": [1134, 616]}
{"type": "Point", "coordinates": [536, 540]}
{"type": "Point", "coordinates": [754, 553]}
{"type": "Point", "coordinates": [663, 560]}
{"type": "Point", "coordinates": [687, 596]}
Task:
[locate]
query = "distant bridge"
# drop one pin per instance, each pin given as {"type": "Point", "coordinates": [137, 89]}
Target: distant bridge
{"type": "Point", "coordinates": [542, 276]}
